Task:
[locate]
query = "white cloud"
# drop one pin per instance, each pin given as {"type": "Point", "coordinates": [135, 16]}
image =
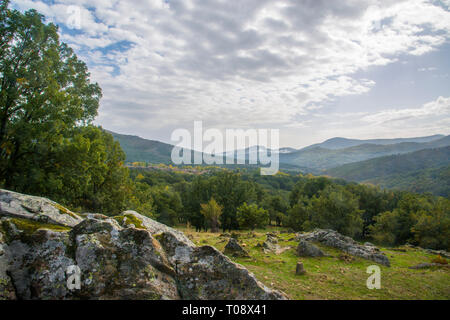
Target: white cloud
{"type": "Point", "coordinates": [439, 108]}
{"type": "Point", "coordinates": [239, 63]}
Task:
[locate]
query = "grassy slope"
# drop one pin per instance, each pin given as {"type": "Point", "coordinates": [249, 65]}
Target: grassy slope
{"type": "Point", "coordinates": [331, 278]}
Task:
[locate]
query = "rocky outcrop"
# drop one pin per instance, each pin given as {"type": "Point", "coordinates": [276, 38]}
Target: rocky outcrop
{"type": "Point", "coordinates": [44, 247]}
{"type": "Point", "coordinates": [441, 253]}
{"type": "Point", "coordinates": [307, 249]}
{"type": "Point", "coordinates": [271, 245]}
{"type": "Point", "coordinates": [233, 248]}
{"type": "Point", "coordinates": [36, 208]}
{"type": "Point", "coordinates": [334, 239]}
{"type": "Point", "coordinates": [426, 265]}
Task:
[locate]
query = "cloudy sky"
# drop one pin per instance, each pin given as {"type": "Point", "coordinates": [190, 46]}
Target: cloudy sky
{"type": "Point", "coordinates": [315, 69]}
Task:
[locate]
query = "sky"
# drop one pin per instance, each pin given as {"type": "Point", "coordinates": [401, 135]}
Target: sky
{"type": "Point", "coordinates": [314, 69]}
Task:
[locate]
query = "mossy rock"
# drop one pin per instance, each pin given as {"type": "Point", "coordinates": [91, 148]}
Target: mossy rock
{"type": "Point", "coordinates": [29, 227]}
{"type": "Point", "coordinates": [63, 210]}
{"type": "Point", "coordinates": [128, 219]}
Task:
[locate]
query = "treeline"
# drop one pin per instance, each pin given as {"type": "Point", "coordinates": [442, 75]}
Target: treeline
{"type": "Point", "coordinates": [243, 199]}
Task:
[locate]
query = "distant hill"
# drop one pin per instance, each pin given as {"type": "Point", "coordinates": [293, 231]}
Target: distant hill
{"type": "Point", "coordinates": [139, 149]}
{"type": "Point", "coordinates": [421, 171]}
{"type": "Point", "coordinates": [320, 158]}
{"type": "Point", "coordinates": [341, 143]}
{"type": "Point", "coordinates": [311, 159]}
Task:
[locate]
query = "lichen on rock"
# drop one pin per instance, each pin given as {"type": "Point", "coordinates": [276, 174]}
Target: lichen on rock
{"type": "Point", "coordinates": [129, 256]}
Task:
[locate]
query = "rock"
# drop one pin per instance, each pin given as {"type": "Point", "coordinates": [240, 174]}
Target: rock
{"type": "Point", "coordinates": [271, 244]}
{"type": "Point", "coordinates": [429, 265]}
{"type": "Point", "coordinates": [272, 235]}
{"type": "Point", "coordinates": [234, 249]}
{"type": "Point", "coordinates": [125, 257]}
{"type": "Point", "coordinates": [300, 270]}
{"type": "Point", "coordinates": [122, 263]}
{"type": "Point", "coordinates": [307, 249]}
{"type": "Point", "coordinates": [441, 253]}
{"type": "Point", "coordinates": [336, 240]}
{"type": "Point", "coordinates": [39, 209]}
{"type": "Point", "coordinates": [7, 291]}
{"type": "Point", "coordinates": [205, 273]}
{"type": "Point", "coordinates": [211, 275]}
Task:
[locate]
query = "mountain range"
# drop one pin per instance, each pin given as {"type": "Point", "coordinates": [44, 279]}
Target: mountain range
{"type": "Point", "coordinates": [419, 164]}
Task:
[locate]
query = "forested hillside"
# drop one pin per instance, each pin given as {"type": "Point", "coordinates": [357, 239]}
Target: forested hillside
{"type": "Point", "coordinates": [320, 158]}
{"type": "Point", "coordinates": [142, 150]}
{"type": "Point", "coordinates": [421, 171]}
{"type": "Point", "coordinates": [341, 143]}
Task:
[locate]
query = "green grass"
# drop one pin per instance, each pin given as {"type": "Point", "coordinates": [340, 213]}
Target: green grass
{"type": "Point", "coordinates": [332, 278]}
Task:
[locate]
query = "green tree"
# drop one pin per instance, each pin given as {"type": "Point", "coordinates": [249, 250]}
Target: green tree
{"type": "Point", "coordinates": [141, 200]}
{"type": "Point", "coordinates": [212, 212]}
{"type": "Point", "coordinates": [299, 215]}
{"type": "Point", "coordinates": [432, 229]}
{"type": "Point", "coordinates": [385, 228]}
{"type": "Point", "coordinates": [309, 187]}
{"type": "Point", "coordinates": [251, 217]}
{"type": "Point", "coordinates": [410, 207]}
{"type": "Point", "coordinates": [45, 92]}
{"type": "Point", "coordinates": [277, 208]}
{"type": "Point", "coordinates": [337, 209]}
{"type": "Point", "coordinates": [231, 191]}
{"type": "Point", "coordinates": [167, 204]}
{"type": "Point", "coordinates": [83, 171]}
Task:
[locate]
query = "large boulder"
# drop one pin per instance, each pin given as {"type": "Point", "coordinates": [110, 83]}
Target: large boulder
{"type": "Point", "coordinates": [124, 257]}
{"type": "Point", "coordinates": [334, 239]}
{"type": "Point", "coordinates": [307, 249]}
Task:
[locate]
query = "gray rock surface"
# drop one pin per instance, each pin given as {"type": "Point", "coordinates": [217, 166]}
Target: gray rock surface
{"type": "Point", "coordinates": [233, 248]}
{"type": "Point", "coordinates": [39, 209]}
{"type": "Point", "coordinates": [307, 249]}
{"type": "Point", "coordinates": [426, 265]}
{"type": "Point", "coordinates": [7, 291]}
{"type": "Point", "coordinates": [441, 253]}
{"type": "Point", "coordinates": [271, 243]}
{"type": "Point", "coordinates": [125, 257]}
{"type": "Point", "coordinates": [335, 239]}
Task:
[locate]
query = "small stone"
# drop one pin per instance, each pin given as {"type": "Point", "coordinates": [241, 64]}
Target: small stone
{"type": "Point", "coordinates": [300, 270]}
